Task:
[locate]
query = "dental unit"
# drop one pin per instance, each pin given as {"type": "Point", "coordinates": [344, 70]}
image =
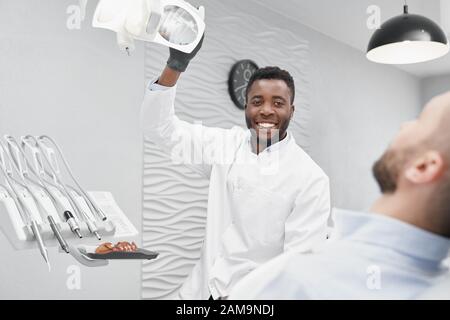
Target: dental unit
{"type": "Point", "coordinates": [43, 205]}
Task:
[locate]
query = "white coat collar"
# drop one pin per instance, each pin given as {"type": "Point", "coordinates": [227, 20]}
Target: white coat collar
{"type": "Point", "coordinates": [280, 145]}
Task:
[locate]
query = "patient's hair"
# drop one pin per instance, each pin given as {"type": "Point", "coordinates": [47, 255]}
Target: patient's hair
{"type": "Point", "coordinates": [441, 198]}
{"type": "Point", "coordinates": [444, 146]}
{"type": "Point", "coordinates": [444, 189]}
{"type": "Point", "coordinates": [274, 73]}
{"type": "Point", "coordinates": [442, 143]}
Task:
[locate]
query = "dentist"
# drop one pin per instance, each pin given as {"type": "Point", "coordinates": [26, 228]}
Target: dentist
{"type": "Point", "coordinates": [266, 195]}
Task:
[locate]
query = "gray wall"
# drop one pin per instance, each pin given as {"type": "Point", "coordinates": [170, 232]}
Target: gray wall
{"type": "Point", "coordinates": [347, 110]}
{"type": "Point", "coordinates": [433, 86]}
{"type": "Point", "coordinates": [75, 86]}
{"type": "Point", "coordinates": [78, 88]}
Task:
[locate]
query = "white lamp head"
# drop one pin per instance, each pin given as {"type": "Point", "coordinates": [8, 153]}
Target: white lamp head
{"type": "Point", "coordinates": [173, 23]}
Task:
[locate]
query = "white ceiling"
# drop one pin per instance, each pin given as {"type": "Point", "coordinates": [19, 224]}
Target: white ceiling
{"type": "Point", "coordinates": [345, 21]}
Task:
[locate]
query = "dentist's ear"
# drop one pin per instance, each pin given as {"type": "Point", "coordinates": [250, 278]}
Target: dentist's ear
{"type": "Point", "coordinates": [426, 169]}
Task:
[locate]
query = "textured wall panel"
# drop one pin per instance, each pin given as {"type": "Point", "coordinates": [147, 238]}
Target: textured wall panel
{"type": "Point", "coordinates": [175, 199]}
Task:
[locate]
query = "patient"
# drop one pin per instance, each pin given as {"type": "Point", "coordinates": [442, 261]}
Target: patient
{"type": "Point", "coordinates": [394, 252]}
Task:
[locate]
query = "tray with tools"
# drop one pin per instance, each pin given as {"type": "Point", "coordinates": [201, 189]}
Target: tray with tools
{"type": "Point", "coordinates": [121, 250]}
{"type": "Point", "coordinates": [139, 254]}
{"type": "Point", "coordinates": [96, 256]}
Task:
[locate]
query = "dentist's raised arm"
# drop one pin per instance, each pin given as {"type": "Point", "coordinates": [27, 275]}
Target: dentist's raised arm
{"type": "Point", "coordinates": [171, 134]}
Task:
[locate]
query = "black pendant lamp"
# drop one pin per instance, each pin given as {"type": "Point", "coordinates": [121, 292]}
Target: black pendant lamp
{"type": "Point", "coordinates": [407, 38]}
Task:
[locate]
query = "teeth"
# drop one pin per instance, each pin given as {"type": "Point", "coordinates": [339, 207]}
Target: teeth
{"type": "Point", "coordinates": [266, 125]}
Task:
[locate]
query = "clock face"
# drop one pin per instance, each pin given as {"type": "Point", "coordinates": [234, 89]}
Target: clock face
{"type": "Point", "coordinates": [238, 79]}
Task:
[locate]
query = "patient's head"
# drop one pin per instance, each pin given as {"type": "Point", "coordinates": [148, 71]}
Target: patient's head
{"type": "Point", "coordinates": [418, 160]}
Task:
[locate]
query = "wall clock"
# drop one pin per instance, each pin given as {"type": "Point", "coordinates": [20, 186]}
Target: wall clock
{"type": "Point", "coordinates": [238, 78]}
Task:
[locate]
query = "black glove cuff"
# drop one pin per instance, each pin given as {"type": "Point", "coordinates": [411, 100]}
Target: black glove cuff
{"type": "Point", "coordinates": [177, 65]}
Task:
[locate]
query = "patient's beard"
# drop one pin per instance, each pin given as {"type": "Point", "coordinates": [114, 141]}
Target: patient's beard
{"type": "Point", "coordinates": [386, 170]}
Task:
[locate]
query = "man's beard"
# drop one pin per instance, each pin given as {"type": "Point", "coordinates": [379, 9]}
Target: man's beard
{"type": "Point", "coordinates": [387, 169]}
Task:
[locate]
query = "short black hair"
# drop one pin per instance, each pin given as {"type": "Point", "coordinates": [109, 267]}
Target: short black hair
{"type": "Point", "coordinates": [272, 73]}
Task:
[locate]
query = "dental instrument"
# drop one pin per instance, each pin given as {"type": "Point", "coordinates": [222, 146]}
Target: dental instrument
{"type": "Point", "coordinates": [22, 170]}
{"type": "Point", "coordinates": [58, 235]}
{"type": "Point", "coordinates": [72, 223]}
{"type": "Point", "coordinates": [23, 208]}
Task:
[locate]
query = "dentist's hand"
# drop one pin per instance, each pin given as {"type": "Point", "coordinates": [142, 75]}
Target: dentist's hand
{"type": "Point", "coordinates": [178, 60]}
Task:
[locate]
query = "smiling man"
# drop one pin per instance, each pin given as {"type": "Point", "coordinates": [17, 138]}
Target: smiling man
{"type": "Point", "coordinates": [270, 106]}
{"type": "Point", "coordinates": [266, 195]}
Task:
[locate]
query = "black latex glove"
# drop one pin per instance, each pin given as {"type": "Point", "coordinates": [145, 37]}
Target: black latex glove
{"type": "Point", "coordinates": [179, 60]}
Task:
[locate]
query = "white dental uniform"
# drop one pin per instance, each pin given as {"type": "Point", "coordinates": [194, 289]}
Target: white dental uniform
{"type": "Point", "coordinates": [259, 206]}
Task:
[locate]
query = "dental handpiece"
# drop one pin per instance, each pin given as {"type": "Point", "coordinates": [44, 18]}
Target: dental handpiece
{"type": "Point", "coordinates": [33, 224]}
{"type": "Point", "coordinates": [72, 223]}
{"type": "Point", "coordinates": [91, 225]}
{"type": "Point", "coordinates": [93, 228]}
{"type": "Point", "coordinates": [42, 247]}
{"type": "Point", "coordinates": [58, 234]}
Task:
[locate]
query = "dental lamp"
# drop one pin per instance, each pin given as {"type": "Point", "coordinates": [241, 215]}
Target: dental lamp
{"type": "Point", "coordinates": [173, 23]}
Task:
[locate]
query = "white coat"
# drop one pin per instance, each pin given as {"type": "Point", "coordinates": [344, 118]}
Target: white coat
{"type": "Point", "coordinates": [259, 206]}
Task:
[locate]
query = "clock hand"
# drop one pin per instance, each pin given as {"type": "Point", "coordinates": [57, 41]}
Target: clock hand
{"type": "Point", "coordinates": [240, 87]}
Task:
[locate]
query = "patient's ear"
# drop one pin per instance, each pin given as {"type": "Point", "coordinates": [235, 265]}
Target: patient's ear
{"type": "Point", "coordinates": [429, 167]}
